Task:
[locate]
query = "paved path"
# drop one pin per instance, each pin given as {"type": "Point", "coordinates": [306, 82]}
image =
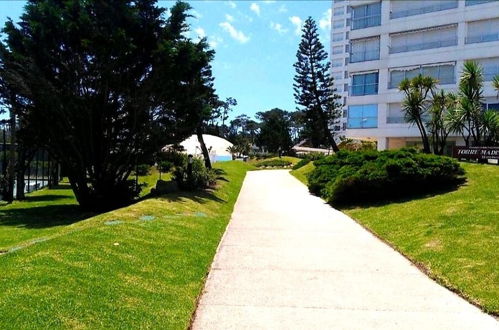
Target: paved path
{"type": "Point", "coordinates": [289, 261]}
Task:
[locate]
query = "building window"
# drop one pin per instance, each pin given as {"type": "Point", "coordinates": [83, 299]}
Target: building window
{"type": "Point", "coordinates": [363, 116]}
{"type": "Point", "coordinates": [336, 63]}
{"type": "Point", "coordinates": [366, 16]}
{"type": "Point", "coordinates": [364, 84]}
{"type": "Point", "coordinates": [337, 75]}
{"type": "Point", "coordinates": [345, 113]}
{"type": "Point", "coordinates": [337, 50]}
{"type": "Point", "coordinates": [490, 68]}
{"type": "Point", "coordinates": [339, 24]}
{"type": "Point", "coordinates": [364, 50]}
{"type": "Point", "coordinates": [444, 73]}
{"type": "Point", "coordinates": [410, 8]}
{"type": "Point", "coordinates": [338, 36]}
{"type": "Point", "coordinates": [346, 75]}
{"type": "Point", "coordinates": [483, 31]}
{"type": "Point", "coordinates": [339, 11]}
{"type": "Point", "coordinates": [344, 126]}
{"type": "Point", "coordinates": [477, 2]}
{"type": "Point", "coordinates": [435, 37]}
{"type": "Point", "coordinates": [395, 114]}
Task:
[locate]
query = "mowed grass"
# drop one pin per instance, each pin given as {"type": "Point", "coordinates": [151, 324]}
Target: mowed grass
{"type": "Point", "coordinates": [453, 236]}
{"type": "Point", "coordinates": [142, 266]}
{"type": "Point", "coordinates": [47, 211]}
{"type": "Point", "coordinates": [303, 172]}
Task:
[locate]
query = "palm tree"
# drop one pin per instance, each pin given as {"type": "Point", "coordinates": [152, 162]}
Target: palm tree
{"type": "Point", "coordinates": [416, 103]}
{"type": "Point", "coordinates": [470, 96]}
{"type": "Point", "coordinates": [490, 128]}
{"type": "Point", "coordinates": [438, 126]}
{"type": "Point", "coordinates": [495, 84]}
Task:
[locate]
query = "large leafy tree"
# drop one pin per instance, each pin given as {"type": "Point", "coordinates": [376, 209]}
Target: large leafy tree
{"type": "Point", "coordinates": [275, 129]}
{"type": "Point", "coordinates": [104, 83]}
{"type": "Point", "coordinates": [314, 87]}
{"type": "Point", "coordinates": [417, 92]}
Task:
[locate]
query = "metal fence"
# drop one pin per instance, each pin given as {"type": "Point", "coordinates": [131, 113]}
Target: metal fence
{"type": "Point", "coordinates": [39, 172]}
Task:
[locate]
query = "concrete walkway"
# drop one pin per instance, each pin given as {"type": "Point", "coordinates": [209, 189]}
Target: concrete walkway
{"type": "Point", "coordinates": [289, 261]}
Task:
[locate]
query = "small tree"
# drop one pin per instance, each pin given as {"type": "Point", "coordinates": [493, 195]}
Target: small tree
{"type": "Point", "coordinates": [274, 133]}
{"type": "Point", "coordinates": [314, 87]}
{"type": "Point", "coordinates": [416, 103]}
{"type": "Point", "coordinates": [438, 127]}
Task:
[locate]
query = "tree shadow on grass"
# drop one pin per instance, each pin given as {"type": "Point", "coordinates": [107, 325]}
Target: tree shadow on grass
{"type": "Point", "coordinates": [43, 216]}
{"type": "Point", "coordinates": [198, 196]}
{"type": "Point", "coordinates": [45, 198]}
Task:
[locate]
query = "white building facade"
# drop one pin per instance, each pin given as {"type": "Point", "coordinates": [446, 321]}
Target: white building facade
{"type": "Point", "coordinates": [376, 44]}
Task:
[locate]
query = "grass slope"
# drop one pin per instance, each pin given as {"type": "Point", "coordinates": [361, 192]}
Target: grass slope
{"type": "Point", "coordinates": [47, 211]}
{"type": "Point", "coordinates": [142, 266]}
{"type": "Point", "coordinates": [453, 236]}
{"type": "Point", "coordinates": [303, 172]}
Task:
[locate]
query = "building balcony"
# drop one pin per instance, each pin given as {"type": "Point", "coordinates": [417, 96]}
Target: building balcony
{"type": "Point", "coordinates": [424, 10]}
{"type": "Point", "coordinates": [361, 90]}
{"type": "Point", "coordinates": [364, 56]}
{"type": "Point", "coordinates": [479, 38]}
{"type": "Point", "coordinates": [477, 2]}
{"type": "Point", "coordinates": [365, 22]}
{"type": "Point", "coordinates": [395, 120]}
{"type": "Point", "coordinates": [424, 45]}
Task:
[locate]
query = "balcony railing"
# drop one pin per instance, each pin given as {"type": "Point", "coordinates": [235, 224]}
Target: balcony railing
{"type": "Point", "coordinates": [482, 38]}
{"type": "Point", "coordinates": [477, 2]}
{"type": "Point", "coordinates": [364, 122]}
{"type": "Point", "coordinates": [361, 90]}
{"type": "Point", "coordinates": [366, 21]}
{"type": "Point", "coordinates": [489, 75]}
{"type": "Point", "coordinates": [424, 10]}
{"type": "Point", "coordinates": [424, 45]}
{"type": "Point", "coordinates": [395, 120]}
{"type": "Point", "coordinates": [370, 55]}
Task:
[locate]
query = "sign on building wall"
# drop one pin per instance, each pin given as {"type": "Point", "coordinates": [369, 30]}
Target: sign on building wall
{"type": "Point", "coordinates": [476, 152]}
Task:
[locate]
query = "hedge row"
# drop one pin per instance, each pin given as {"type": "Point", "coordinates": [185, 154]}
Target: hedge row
{"type": "Point", "coordinates": [349, 177]}
{"type": "Point", "coordinates": [273, 163]}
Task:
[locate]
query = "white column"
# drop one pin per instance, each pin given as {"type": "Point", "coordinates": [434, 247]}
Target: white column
{"type": "Point", "coordinates": [382, 143]}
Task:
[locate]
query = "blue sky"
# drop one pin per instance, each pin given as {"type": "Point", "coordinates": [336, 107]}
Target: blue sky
{"type": "Point", "coordinates": [255, 44]}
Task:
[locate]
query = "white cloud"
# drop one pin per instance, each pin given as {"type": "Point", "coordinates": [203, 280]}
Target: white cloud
{"type": "Point", "coordinates": [234, 33]}
{"type": "Point", "coordinates": [283, 9]}
{"type": "Point", "coordinates": [325, 21]}
{"type": "Point", "coordinates": [215, 41]}
{"type": "Point", "coordinates": [255, 8]}
{"type": "Point", "coordinates": [229, 18]}
{"type": "Point", "coordinates": [278, 27]}
{"type": "Point", "coordinates": [231, 4]}
{"type": "Point", "coordinates": [297, 22]}
{"type": "Point", "coordinates": [200, 32]}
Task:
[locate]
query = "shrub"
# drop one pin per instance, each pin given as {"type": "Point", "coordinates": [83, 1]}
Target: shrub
{"type": "Point", "coordinates": [301, 163]}
{"type": "Point", "coordinates": [348, 177]}
{"type": "Point", "coordinates": [200, 177]}
{"type": "Point", "coordinates": [172, 156]}
{"type": "Point", "coordinates": [143, 169]}
{"type": "Point", "coordinates": [273, 163]}
{"type": "Point", "coordinates": [165, 166]}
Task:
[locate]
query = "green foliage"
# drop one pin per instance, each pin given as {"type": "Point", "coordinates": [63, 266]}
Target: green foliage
{"type": "Point", "coordinates": [274, 133]}
{"type": "Point", "coordinates": [357, 145]}
{"type": "Point", "coordinates": [352, 177]}
{"type": "Point", "coordinates": [143, 169]}
{"type": "Point", "coordinates": [314, 87]}
{"type": "Point", "coordinates": [301, 163]}
{"type": "Point", "coordinates": [274, 163]}
{"type": "Point", "coordinates": [101, 84]}
{"type": "Point", "coordinates": [165, 166]}
{"type": "Point", "coordinates": [199, 178]}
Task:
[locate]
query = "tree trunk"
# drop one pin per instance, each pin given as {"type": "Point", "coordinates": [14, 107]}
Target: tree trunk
{"type": "Point", "coordinates": [21, 168]}
{"type": "Point", "coordinates": [11, 166]}
{"type": "Point", "coordinates": [206, 154]}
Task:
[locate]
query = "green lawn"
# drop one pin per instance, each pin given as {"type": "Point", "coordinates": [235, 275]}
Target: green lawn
{"type": "Point", "coordinates": [453, 236]}
{"type": "Point", "coordinates": [142, 266]}
{"type": "Point", "coordinates": [302, 172]}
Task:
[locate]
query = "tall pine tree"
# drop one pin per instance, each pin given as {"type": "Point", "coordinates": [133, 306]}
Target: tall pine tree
{"type": "Point", "coordinates": [314, 88]}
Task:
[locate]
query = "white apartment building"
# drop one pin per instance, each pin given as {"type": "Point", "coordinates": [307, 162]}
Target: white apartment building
{"type": "Point", "coordinates": [375, 44]}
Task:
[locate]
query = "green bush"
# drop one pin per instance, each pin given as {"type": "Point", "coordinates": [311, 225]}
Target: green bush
{"type": "Point", "coordinates": [143, 169]}
{"type": "Point", "coordinates": [172, 156]}
{"type": "Point", "coordinates": [349, 177]}
{"type": "Point", "coordinates": [200, 177]}
{"type": "Point", "coordinates": [165, 166]}
{"type": "Point", "coordinates": [301, 163]}
{"type": "Point", "coordinates": [273, 163]}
